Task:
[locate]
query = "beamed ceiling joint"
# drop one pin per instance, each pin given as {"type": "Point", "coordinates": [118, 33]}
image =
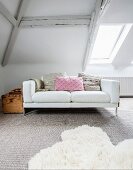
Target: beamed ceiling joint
{"type": "Point", "coordinates": [21, 21]}
{"type": "Point", "coordinates": [14, 32]}
{"type": "Point", "coordinates": [4, 11]}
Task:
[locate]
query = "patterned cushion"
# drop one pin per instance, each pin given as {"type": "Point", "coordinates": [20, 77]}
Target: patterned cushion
{"type": "Point", "coordinates": [39, 84]}
{"type": "Point", "coordinates": [91, 83]}
{"type": "Point", "coordinates": [69, 84]}
{"type": "Point", "coordinates": [49, 80]}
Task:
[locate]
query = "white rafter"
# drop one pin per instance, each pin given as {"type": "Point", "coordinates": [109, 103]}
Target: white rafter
{"type": "Point", "coordinates": [101, 7]}
{"type": "Point", "coordinates": [4, 11]}
{"type": "Point", "coordinates": [15, 31]}
{"type": "Point", "coordinates": [55, 21]}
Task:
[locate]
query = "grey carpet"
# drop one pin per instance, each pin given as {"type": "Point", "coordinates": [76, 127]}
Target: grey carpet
{"type": "Point", "coordinates": [23, 136]}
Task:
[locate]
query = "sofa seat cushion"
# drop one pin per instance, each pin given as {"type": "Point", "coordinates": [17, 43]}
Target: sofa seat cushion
{"type": "Point", "coordinates": [90, 97]}
{"type": "Point", "coordinates": [51, 97]}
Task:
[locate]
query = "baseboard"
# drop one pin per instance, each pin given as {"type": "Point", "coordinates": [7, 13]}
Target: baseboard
{"type": "Point", "coordinates": [126, 96]}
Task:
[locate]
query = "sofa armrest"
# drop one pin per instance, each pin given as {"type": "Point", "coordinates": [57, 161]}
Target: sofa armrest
{"type": "Point", "coordinates": [112, 87]}
{"type": "Point", "coordinates": [28, 90]}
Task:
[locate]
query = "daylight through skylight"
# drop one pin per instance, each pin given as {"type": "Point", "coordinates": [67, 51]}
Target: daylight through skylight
{"type": "Point", "coordinates": [108, 42]}
{"type": "Point", "coordinates": [105, 41]}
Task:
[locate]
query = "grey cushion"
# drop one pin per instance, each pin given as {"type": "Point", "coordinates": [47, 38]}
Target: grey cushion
{"type": "Point", "coordinates": [91, 83]}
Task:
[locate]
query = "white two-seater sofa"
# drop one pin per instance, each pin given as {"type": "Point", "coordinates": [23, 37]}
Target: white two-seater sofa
{"type": "Point", "coordinates": [107, 97]}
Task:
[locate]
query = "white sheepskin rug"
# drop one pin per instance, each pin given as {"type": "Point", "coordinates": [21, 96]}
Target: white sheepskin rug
{"type": "Point", "coordinates": [84, 148]}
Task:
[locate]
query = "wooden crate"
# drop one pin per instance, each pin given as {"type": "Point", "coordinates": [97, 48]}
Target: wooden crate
{"type": "Point", "coordinates": [12, 102]}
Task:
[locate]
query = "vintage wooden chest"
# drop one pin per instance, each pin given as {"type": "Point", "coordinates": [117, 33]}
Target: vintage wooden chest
{"type": "Point", "coordinates": [12, 102]}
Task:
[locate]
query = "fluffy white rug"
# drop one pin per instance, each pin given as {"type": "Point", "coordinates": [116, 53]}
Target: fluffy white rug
{"type": "Point", "coordinates": [84, 148]}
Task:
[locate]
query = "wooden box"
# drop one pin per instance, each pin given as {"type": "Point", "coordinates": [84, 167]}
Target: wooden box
{"type": "Point", "coordinates": [12, 102]}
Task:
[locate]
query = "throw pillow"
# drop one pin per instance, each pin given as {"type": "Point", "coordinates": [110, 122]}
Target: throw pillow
{"type": "Point", "coordinates": [91, 83]}
{"type": "Point", "coordinates": [39, 84]}
{"type": "Point", "coordinates": [69, 84]}
{"type": "Point", "coordinates": [49, 80]}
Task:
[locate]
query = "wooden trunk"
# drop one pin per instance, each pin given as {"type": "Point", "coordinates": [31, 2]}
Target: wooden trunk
{"type": "Point", "coordinates": [12, 102]}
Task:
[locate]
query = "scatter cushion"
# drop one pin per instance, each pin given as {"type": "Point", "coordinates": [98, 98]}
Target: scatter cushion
{"type": "Point", "coordinates": [39, 84]}
{"type": "Point", "coordinates": [49, 80]}
{"type": "Point", "coordinates": [69, 84]}
{"type": "Point", "coordinates": [91, 83]}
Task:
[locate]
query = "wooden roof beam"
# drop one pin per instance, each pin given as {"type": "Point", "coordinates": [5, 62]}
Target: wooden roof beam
{"type": "Point", "coordinates": [4, 11]}
{"type": "Point", "coordinates": [101, 7]}
{"type": "Point", "coordinates": [15, 31]}
{"type": "Point", "coordinates": [47, 21]}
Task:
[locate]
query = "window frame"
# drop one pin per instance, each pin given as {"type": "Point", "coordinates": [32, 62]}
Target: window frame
{"type": "Point", "coordinates": [118, 43]}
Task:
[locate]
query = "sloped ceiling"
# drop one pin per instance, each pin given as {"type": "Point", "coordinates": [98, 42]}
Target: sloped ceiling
{"type": "Point", "coordinates": [53, 49]}
{"type": "Point", "coordinates": [124, 56]}
{"type": "Point", "coordinates": [5, 29]}
{"type": "Point", "coordinates": [59, 7]}
{"type": "Point", "coordinates": [119, 11]}
{"type": "Point", "coordinates": [64, 45]}
{"type": "Point", "coordinates": [61, 45]}
{"type": "Point", "coordinates": [11, 5]}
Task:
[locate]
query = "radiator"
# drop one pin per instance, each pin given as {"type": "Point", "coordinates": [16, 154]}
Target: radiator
{"type": "Point", "coordinates": [126, 85]}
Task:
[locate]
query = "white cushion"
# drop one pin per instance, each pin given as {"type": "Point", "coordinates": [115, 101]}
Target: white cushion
{"type": "Point", "coordinates": [51, 97]}
{"type": "Point", "coordinates": [90, 97]}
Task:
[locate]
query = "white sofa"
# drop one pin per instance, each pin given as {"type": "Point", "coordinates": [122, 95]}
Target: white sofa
{"type": "Point", "coordinates": [107, 97]}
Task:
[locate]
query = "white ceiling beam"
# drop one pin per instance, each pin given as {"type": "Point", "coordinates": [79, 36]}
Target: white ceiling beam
{"type": "Point", "coordinates": [15, 31]}
{"type": "Point", "coordinates": [4, 11]}
{"type": "Point", "coordinates": [55, 21]}
{"type": "Point", "coordinates": [101, 7]}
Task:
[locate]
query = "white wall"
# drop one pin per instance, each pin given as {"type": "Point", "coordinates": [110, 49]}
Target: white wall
{"type": "Point", "coordinates": [1, 81]}
{"type": "Point", "coordinates": [16, 74]}
{"type": "Point", "coordinates": [109, 70]}
{"type": "Point", "coordinates": [5, 28]}
{"type": "Point", "coordinates": [43, 50]}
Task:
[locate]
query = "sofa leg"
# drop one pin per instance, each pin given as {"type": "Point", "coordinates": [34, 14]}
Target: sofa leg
{"type": "Point", "coordinates": [29, 110]}
{"type": "Point", "coordinates": [26, 111]}
{"type": "Point", "coordinates": [116, 111]}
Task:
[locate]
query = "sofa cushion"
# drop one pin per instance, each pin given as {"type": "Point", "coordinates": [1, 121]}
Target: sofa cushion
{"type": "Point", "coordinates": [51, 97]}
{"type": "Point", "coordinates": [90, 97]}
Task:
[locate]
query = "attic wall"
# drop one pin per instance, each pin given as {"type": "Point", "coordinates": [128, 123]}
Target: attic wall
{"type": "Point", "coordinates": [1, 81]}
{"type": "Point", "coordinates": [15, 74]}
{"type": "Point", "coordinates": [58, 49]}
{"type": "Point", "coordinates": [109, 70]}
{"type": "Point", "coordinates": [5, 28]}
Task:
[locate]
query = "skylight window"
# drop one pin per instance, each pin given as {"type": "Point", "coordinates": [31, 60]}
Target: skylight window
{"type": "Point", "coordinates": [108, 41]}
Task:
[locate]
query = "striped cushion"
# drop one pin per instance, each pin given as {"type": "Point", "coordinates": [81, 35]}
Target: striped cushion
{"type": "Point", "coordinates": [91, 83]}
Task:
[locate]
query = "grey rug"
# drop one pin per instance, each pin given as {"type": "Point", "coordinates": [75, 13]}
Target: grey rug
{"type": "Point", "coordinates": [21, 137]}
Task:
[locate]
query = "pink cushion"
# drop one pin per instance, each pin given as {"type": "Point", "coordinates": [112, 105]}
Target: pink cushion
{"type": "Point", "coordinates": [69, 84]}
